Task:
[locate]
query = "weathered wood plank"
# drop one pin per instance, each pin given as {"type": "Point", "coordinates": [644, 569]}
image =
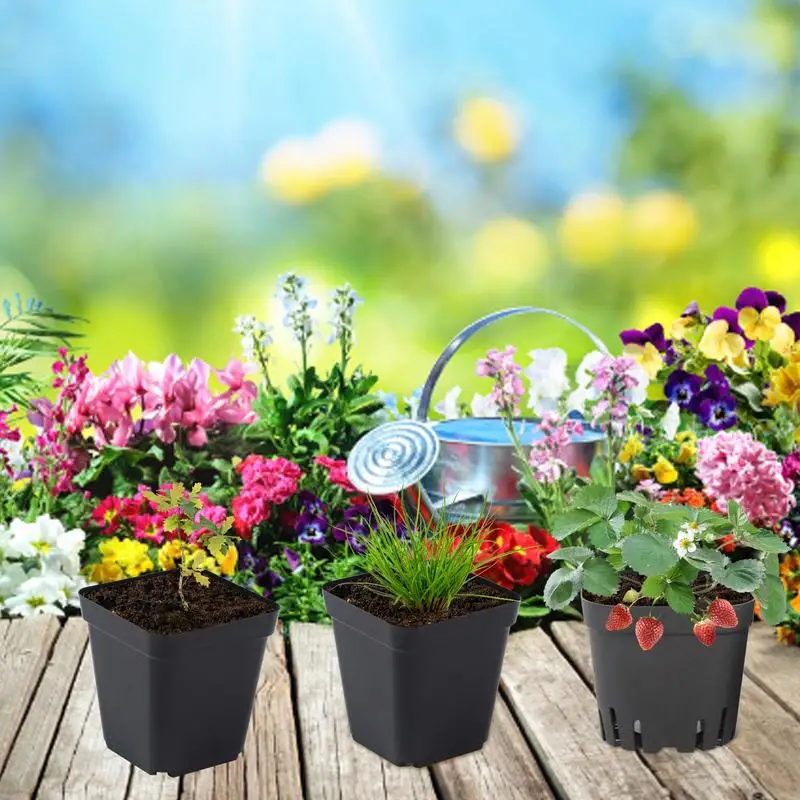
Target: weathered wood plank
{"type": "Point", "coordinates": [335, 766]}
{"type": "Point", "coordinates": [559, 715]}
{"type": "Point", "coordinates": [774, 667]}
{"type": "Point", "coordinates": [270, 764]}
{"type": "Point", "coordinates": [23, 656]}
{"type": "Point", "coordinates": [504, 768]}
{"type": "Point", "coordinates": [716, 774]}
{"type": "Point", "coordinates": [80, 766]}
{"type": "Point", "coordinates": [152, 787]}
{"type": "Point", "coordinates": [26, 761]}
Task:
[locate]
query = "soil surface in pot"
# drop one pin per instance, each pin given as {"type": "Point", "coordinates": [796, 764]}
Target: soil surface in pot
{"type": "Point", "coordinates": [359, 594]}
{"type": "Point", "coordinates": [632, 581]}
{"type": "Point", "coordinates": [152, 603]}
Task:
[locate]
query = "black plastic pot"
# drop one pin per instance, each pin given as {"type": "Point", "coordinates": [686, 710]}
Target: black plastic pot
{"type": "Point", "coordinates": [680, 694]}
{"type": "Point", "coordinates": [181, 702]}
{"type": "Point", "coordinates": [416, 696]}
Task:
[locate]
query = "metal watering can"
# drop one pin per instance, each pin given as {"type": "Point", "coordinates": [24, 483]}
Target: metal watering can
{"type": "Point", "coordinates": [464, 468]}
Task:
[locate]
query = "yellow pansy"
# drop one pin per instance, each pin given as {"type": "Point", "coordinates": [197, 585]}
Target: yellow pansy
{"type": "Point", "coordinates": [105, 572]}
{"type": "Point", "coordinates": [665, 471]}
{"type": "Point", "coordinates": [648, 357]}
{"type": "Point", "coordinates": [168, 554]}
{"type": "Point", "coordinates": [760, 325]}
{"type": "Point", "coordinates": [631, 449]}
{"type": "Point", "coordinates": [783, 340]}
{"type": "Point", "coordinates": [20, 484]}
{"type": "Point", "coordinates": [784, 386]}
{"type": "Point", "coordinates": [640, 472]}
{"type": "Point", "coordinates": [227, 565]}
{"type": "Point", "coordinates": [686, 454]}
{"type": "Point", "coordinates": [685, 436]}
{"type": "Point", "coordinates": [719, 344]}
{"type": "Point", "coordinates": [677, 330]}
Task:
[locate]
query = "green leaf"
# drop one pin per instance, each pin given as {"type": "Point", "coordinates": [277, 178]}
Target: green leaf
{"type": "Point", "coordinates": [771, 564]}
{"type": "Point", "coordinates": [683, 572]}
{"type": "Point", "coordinates": [772, 597]}
{"type": "Point", "coordinates": [736, 517]}
{"type": "Point", "coordinates": [680, 597]}
{"type": "Point", "coordinates": [614, 556]}
{"type": "Point", "coordinates": [653, 587]}
{"type": "Point", "coordinates": [571, 522]}
{"type": "Point", "coordinates": [575, 554]}
{"type": "Point", "coordinates": [561, 587]}
{"type": "Point", "coordinates": [602, 535]}
{"type": "Point", "coordinates": [633, 497]}
{"type": "Point", "coordinates": [765, 541]}
{"type": "Point", "coordinates": [751, 393]}
{"type": "Point", "coordinates": [530, 607]}
{"type": "Point", "coordinates": [598, 499]}
{"type": "Point", "coordinates": [599, 577]}
{"type": "Point", "coordinates": [171, 523]}
{"type": "Point", "coordinates": [741, 576]}
{"type": "Point", "coordinates": [707, 558]}
{"type": "Point", "coordinates": [649, 554]}
{"type": "Point", "coordinates": [218, 546]}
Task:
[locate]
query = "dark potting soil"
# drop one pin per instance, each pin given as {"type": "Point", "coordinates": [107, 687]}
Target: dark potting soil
{"type": "Point", "coordinates": [366, 598]}
{"type": "Point", "coordinates": [629, 580]}
{"type": "Point", "coordinates": [152, 602]}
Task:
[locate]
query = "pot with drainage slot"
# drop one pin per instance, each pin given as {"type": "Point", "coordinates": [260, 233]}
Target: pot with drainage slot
{"type": "Point", "coordinates": [680, 694]}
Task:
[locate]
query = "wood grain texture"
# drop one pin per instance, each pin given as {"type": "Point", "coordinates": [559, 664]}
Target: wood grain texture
{"type": "Point", "coordinates": [20, 777]}
{"type": "Point", "coordinates": [714, 774]}
{"type": "Point", "coordinates": [774, 667]}
{"type": "Point", "coordinates": [559, 716]}
{"type": "Point", "coordinates": [335, 766]}
{"type": "Point", "coordinates": [504, 768]}
{"type": "Point", "coordinates": [152, 787]}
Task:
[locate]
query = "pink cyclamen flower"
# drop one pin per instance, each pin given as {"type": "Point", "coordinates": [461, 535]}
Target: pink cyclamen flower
{"type": "Point", "coordinates": [732, 465]}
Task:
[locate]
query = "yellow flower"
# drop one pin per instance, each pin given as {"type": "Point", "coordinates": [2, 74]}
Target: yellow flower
{"type": "Point", "coordinates": [648, 357]}
{"type": "Point", "coordinates": [760, 325]}
{"type": "Point", "coordinates": [785, 635]}
{"type": "Point", "coordinates": [783, 340]}
{"type": "Point", "coordinates": [718, 344]}
{"type": "Point", "coordinates": [664, 471]}
{"type": "Point", "coordinates": [487, 129]}
{"type": "Point", "coordinates": [631, 449]}
{"type": "Point", "coordinates": [685, 436]}
{"type": "Point", "coordinates": [678, 328]}
{"type": "Point", "coordinates": [105, 572]}
{"type": "Point", "coordinates": [686, 454]}
{"type": "Point", "coordinates": [794, 604]}
{"type": "Point", "coordinates": [227, 565]}
{"type": "Point", "coordinates": [129, 554]}
{"type": "Point", "coordinates": [20, 484]}
{"type": "Point", "coordinates": [784, 386]}
{"type": "Point", "coordinates": [661, 224]}
{"type": "Point", "coordinates": [138, 567]}
{"type": "Point", "coordinates": [591, 228]}
{"type": "Point", "coordinates": [168, 554]}
{"type": "Point", "coordinates": [641, 473]}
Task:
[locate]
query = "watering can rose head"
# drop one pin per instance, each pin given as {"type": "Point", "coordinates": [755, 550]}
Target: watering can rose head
{"type": "Point", "coordinates": [628, 550]}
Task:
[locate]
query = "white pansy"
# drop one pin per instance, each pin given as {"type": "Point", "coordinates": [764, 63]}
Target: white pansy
{"type": "Point", "coordinates": [584, 392]}
{"type": "Point", "coordinates": [41, 594]}
{"type": "Point", "coordinates": [671, 421]}
{"type": "Point", "coordinates": [547, 374]}
{"type": "Point", "coordinates": [484, 406]}
{"type": "Point", "coordinates": [12, 576]}
{"type": "Point", "coordinates": [638, 394]}
{"type": "Point", "coordinates": [448, 408]}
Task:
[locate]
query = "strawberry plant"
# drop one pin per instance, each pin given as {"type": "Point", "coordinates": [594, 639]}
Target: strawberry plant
{"type": "Point", "coordinates": [183, 517]}
{"type": "Point", "coordinates": [652, 554]}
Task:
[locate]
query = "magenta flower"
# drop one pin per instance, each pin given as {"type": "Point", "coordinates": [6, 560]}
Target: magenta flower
{"type": "Point", "coordinates": [734, 466]}
{"type": "Point", "coordinates": [508, 388]}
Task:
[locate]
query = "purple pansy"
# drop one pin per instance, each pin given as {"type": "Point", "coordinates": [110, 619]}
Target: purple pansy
{"type": "Point", "coordinates": [793, 321]}
{"type": "Point", "coordinates": [716, 377]}
{"type": "Point", "coordinates": [268, 580]}
{"type": "Point", "coordinates": [682, 387]}
{"type": "Point", "coordinates": [716, 408]}
{"type": "Point", "coordinates": [293, 559]}
{"type": "Point", "coordinates": [310, 528]}
{"type": "Point", "coordinates": [731, 316]}
{"type": "Point", "coordinates": [312, 503]}
{"type": "Point", "coordinates": [758, 299]}
{"type": "Point", "coordinates": [653, 335]}
{"type": "Point", "coordinates": [248, 559]}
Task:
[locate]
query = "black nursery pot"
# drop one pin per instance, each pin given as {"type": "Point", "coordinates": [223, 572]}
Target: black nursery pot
{"type": "Point", "coordinates": [181, 702]}
{"type": "Point", "coordinates": [680, 694]}
{"type": "Point", "coordinates": [420, 695]}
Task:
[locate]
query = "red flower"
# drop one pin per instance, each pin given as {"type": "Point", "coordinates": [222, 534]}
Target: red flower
{"type": "Point", "coordinates": [337, 472]}
{"type": "Point", "coordinates": [516, 558]}
{"type": "Point", "coordinates": [249, 509]}
{"type": "Point", "coordinates": [107, 515]}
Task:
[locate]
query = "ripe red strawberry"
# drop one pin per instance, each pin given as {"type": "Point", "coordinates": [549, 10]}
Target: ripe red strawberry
{"type": "Point", "coordinates": [723, 614]}
{"type": "Point", "coordinates": [619, 618]}
{"type": "Point", "coordinates": [649, 631]}
{"type": "Point", "coordinates": [705, 631]}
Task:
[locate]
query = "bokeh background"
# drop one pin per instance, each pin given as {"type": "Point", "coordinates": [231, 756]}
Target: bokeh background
{"type": "Point", "coordinates": [163, 161]}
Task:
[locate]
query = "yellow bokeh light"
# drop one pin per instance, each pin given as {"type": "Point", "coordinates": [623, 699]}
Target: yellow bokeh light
{"type": "Point", "coordinates": [509, 249]}
{"type": "Point", "coordinates": [778, 257]}
{"type": "Point", "coordinates": [487, 129]}
{"type": "Point", "coordinates": [591, 227]}
{"type": "Point", "coordinates": [655, 309]}
{"type": "Point", "coordinates": [661, 224]}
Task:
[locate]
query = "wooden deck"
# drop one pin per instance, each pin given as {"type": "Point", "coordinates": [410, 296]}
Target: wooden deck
{"type": "Point", "coordinates": [544, 741]}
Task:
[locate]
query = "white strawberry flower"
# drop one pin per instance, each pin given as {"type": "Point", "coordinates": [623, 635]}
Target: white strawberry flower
{"type": "Point", "coordinates": [685, 541]}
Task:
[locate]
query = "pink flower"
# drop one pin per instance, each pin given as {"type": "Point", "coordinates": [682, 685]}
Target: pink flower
{"type": "Point", "coordinates": [249, 509]}
{"type": "Point", "coordinates": [546, 465]}
{"type": "Point", "coordinates": [508, 388]}
{"type": "Point", "coordinates": [732, 465]}
{"type": "Point", "coordinates": [337, 472]}
{"type": "Point", "coordinates": [149, 528]}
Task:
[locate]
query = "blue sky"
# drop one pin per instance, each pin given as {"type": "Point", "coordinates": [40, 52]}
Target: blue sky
{"type": "Point", "coordinates": [187, 91]}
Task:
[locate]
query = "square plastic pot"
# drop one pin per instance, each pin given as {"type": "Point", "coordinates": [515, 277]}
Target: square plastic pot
{"type": "Point", "coordinates": [181, 702]}
{"type": "Point", "coordinates": [420, 695]}
{"type": "Point", "coordinates": [680, 694]}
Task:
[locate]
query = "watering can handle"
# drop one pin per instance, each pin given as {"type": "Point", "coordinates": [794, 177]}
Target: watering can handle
{"type": "Point", "coordinates": [460, 338]}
